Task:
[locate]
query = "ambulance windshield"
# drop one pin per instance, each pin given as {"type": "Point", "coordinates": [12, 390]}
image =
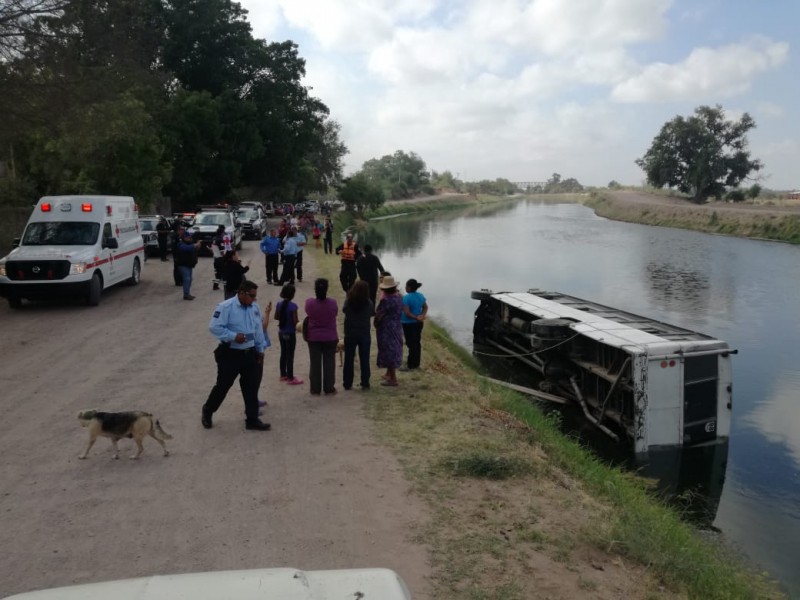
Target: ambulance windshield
{"type": "Point", "coordinates": [61, 234]}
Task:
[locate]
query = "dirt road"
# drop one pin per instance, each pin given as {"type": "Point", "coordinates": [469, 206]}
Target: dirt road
{"type": "Point", "coordinates": [319, 491]}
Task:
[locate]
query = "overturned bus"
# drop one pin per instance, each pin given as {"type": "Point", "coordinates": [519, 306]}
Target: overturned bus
{"type": "Point", "coordinates": [642, 382]}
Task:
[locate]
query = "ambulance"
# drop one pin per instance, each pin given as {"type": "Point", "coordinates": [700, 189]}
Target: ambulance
{"type": "Point", "coordinates": [74, 246]}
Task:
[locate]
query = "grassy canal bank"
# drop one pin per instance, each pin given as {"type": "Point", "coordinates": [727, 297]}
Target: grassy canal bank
{"type": "Point", "coordinates": [764, 222]}
{"type": "Point", "coordinates": [518, 510]}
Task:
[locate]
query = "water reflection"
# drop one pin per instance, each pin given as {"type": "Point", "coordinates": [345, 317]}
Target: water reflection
{"type": "Point", "coordinates": [669, 282]}
{"type": "Point", "coordinates": [691, 479]}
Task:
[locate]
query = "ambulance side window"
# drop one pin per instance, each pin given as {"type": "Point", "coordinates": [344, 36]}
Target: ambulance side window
{"type": "Point", "coordinates": [106, 231]}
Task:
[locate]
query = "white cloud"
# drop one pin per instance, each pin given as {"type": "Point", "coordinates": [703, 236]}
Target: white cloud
{"type": "Point", "coordinates": [770, 110]}
{"type": "Point", "coordinates": [718, 73]}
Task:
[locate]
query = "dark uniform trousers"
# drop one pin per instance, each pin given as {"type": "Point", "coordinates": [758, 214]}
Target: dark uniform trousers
{"type": "Point", "coordinates": [287, 275]}
{"type": "Point", "coordinates": [348, 274]}
{"type": "Point", "coordinates": [231, 364]}
{"type": "Point", "coordinates": [272, 268]}
{"type": "Point", "coordinates": [298, 265]}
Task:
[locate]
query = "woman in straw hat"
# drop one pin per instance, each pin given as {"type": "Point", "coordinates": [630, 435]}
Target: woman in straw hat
{"type": "Point", "coordinates": [389, 330]}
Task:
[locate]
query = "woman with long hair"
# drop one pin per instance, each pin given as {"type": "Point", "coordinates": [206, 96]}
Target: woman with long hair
{"type": "Point", "coordinates": [357, 310]}
{"type": "Point", "coordinates": [286, 315]}
{"type": "Point", "coordinates": [322, 339]}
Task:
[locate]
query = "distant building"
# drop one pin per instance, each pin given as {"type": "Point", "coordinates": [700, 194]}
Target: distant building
{"type": "Point", "coordinates": [795, 195]}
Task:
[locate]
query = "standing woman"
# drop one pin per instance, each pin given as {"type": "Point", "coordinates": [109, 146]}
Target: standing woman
{"type": "Point", "coordinates": [357, 309]}
{"type": "Point", "coordinates": [389, 330]}
{"type": "Point", "coordinates": [286, 315]}
{"type": "Point", "coordinates": [414, 310]}
{"type": "Point", "coordinates": [322, 339]}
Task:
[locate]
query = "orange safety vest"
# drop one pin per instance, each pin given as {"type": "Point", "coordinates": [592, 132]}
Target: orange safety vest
{"type": "Point", "coordinates": [348, 251]}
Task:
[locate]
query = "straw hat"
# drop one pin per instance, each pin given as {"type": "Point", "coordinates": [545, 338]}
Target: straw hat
{"type": "Point", "coordinates": [388, 283]}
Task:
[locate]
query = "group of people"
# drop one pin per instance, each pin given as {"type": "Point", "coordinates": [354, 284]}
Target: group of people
{"type": "Point", "coordinates": [241, 328]}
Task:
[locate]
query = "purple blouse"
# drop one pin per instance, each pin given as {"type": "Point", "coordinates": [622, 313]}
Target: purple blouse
{"type": "Point", "coordinates": [322, 320]}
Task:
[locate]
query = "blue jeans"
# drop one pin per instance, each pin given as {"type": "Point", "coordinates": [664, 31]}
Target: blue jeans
{"type": "Point", "coordinates": [186, 276]}
{"type": "Point", "coordinates": [351, 344]}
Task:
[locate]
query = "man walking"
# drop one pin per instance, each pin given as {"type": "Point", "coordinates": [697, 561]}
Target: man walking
{"type": "Point", "coordinates": [350, 252]}
{"type": "Point", "coordinates": [327, 231]}
{"type": "Point", "coordinates": [270, 246]}
{"type": "Point", "coordinates": [370, 269]}
{"type": "Point", "coordinates": [237, 324]}
{"type": "Point", "coordinates": [289, 253]}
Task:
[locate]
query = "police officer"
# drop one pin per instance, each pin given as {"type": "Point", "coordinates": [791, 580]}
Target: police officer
{"type": "Point", "coordinates": [162, 231]}
{"type": "Point", "coordinates": [237, 324]}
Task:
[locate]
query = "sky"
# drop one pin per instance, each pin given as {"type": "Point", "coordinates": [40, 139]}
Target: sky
{"type": "Point", "coordinates": [522, 89]}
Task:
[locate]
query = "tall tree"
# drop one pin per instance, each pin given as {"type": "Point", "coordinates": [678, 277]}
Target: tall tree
{"type": "Point", "coordinates": [702, 155]}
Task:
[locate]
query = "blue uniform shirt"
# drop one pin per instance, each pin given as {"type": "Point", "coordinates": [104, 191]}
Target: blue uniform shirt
{"type": "Point", "coordinates": [270, 245]}
{"type": "Point", "coordinates": [231, 317]}
{"type": "Point", "coordinates": [300, 240]}
{"type": "Point", "coordinates": [289, 246]}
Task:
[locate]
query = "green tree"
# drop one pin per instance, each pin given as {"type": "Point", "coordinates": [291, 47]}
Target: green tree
{"type": "Point", "coordinates": [359, 193]}
{"type": "Point", "coordinates": [702, 155]}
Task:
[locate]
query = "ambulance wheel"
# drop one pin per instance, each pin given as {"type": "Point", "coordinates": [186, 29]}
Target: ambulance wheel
{"type": "Point", "coordinates": [15, 302]}
{"type": "Point", "coordinates": [136, 273]}
{"type": "Point", "coordinates": [94, 291]}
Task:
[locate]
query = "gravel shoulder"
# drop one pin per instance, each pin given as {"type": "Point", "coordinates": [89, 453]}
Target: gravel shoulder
{"type": "Point", "coordinates": [319, 491]}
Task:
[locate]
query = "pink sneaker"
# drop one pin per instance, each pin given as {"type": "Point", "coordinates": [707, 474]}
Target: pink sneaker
{"type": "Point", "coordinates": [284, 378]}
{"type": "Point", "coordinates": [295, 381]}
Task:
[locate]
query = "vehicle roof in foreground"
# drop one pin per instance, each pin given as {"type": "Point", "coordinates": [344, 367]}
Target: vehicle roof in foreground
{"type": "Point", "coordinates": [254, 584]}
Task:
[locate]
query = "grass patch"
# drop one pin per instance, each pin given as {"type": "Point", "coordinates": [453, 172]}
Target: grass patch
{"type": "Point", "coordinates": [484, 465]}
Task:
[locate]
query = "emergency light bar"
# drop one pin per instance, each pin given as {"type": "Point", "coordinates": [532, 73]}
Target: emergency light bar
{"type": "Point", "coordinates": [46, 207]}
{"type": "Point", "coordinates": [86, 207]}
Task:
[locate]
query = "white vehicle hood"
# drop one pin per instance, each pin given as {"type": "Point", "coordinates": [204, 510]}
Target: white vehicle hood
{"type": "Point", "coordinates": [255, 584]}
{"type": "Point", "coordinates": [71, 253]}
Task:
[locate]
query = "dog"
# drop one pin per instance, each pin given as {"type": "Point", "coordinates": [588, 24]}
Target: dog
{"type": "Point", "coordinates": [340, 351]}
{"type": "Point", "coordinates": [118, 425]}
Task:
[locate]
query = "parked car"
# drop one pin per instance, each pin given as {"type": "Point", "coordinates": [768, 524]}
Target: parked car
{"type": "Point", "coordinates": [208, 221]}
{"type": "Point", "coordinates": [253, 220]}
{"type": "Point", "coordinates": [147, 226]}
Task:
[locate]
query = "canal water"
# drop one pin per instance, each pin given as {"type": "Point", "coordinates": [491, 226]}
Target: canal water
{"type": "Point", "coordinates": [745, 292]}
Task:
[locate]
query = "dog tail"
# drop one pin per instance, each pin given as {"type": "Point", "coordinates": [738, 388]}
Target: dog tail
{"type": "Point", "coordinates": [160, 433]}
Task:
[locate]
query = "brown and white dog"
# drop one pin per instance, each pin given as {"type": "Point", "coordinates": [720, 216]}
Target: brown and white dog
{"type": "Point", "coordinates": [118, 425]}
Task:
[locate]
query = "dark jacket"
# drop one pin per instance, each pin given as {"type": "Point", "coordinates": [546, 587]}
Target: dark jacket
{"type": "Point", "coordinates": [233, 274]}
{"type": "Point", "coordinates": [187, 255]}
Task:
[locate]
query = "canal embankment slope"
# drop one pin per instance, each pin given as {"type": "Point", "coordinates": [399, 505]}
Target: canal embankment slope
{"type": "Point", "coordinates": [517, 509]}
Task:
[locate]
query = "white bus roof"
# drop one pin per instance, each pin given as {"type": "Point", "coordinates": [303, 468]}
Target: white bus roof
{"type": "Point", "coordinates": [608, 325]}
